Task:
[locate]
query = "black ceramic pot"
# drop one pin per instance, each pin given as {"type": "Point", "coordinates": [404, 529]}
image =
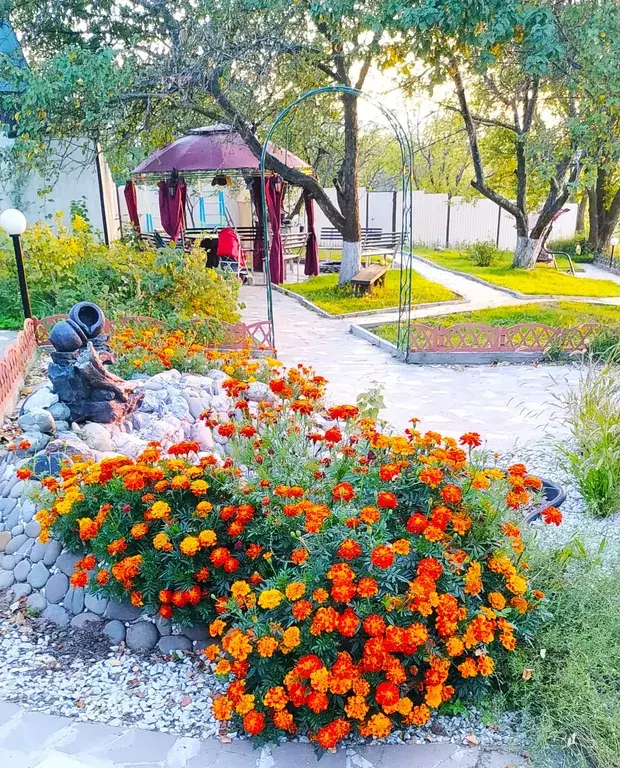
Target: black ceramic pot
{"type": "Point", "coordinates": [88, 317]}
{"type": "Point", "coordinates": [554, 496]}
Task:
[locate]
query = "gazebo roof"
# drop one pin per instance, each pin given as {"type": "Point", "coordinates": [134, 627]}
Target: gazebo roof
{"type": "Point", "coordinates": [210, 149]}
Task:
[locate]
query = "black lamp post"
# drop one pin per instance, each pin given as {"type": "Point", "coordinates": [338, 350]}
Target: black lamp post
{"type": "Point", "coordinates": [13, 222]}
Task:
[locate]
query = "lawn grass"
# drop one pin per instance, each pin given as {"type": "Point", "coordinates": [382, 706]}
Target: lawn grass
{"type": "Point", "coordinates": [325, 293]}
{"type": "Point", "coordinates": [560, 314]}
{"type": "Point", "coordinates": [543, 280]}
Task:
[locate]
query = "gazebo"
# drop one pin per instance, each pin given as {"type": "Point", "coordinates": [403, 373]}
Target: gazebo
{"type": "Point", "coordinates": [219, 152]}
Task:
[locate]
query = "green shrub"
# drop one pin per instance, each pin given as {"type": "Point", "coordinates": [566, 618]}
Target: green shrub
{"type": "Point", "coordinates": [483, 254]}
{"type": "Point", "coordinates": [577, 248]}
{"type": "Point", "coordinates": [68, 264]}
{"type": "Point", "coordinates": [592, 411]}
{"type": "Point", "coordinates": [568, 683]}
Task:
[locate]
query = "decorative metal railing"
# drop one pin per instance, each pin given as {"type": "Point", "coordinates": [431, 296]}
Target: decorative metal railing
{"type": "Point", "coordinates": [478, 337]}
{"type": "Point", "coordinates": [16, 358]}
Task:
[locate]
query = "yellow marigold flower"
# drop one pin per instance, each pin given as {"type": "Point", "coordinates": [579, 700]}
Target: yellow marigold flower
{"type": "Point", "coordinates": [270, 598]}
{"type": "Point", "coordinates": [223, 667]}
{"type": "Point", "coordinates": [291, 637]}
{"type": "Point", "coordinates": [161, 541]}
{"type": "Point", "coordinates": [240, 589]}
{"type": "Point", "coordinates": [245, 704]}
{"type": "Point", "coordinates": [217, 627]}
{"type": "Point", "coordinates": [160, 510]}
{"type": "Point", "coordinates": [203, 509]}
{"type": "Point", "coordinates": [497, 600]}
{"type": "Point", "coordinates": [319, 679]}
{"type": "Point", "coordinates": [432, 696]}
{"type": "Point", "coordinates": [356, 707]}
{"type": "Point", "coordinates": [198, 487]}
{"type": "Point", "coordinates": [180, 481]}
{"type": "Point", "coordinates": [222, 708]}
{"type": "Point", "coordinates": [295, 591]}
{"type": "Point", "coordinates": [266, 646]}
{"type": "Point", "coordinates": [401, 547]}
{"type": "Point", "coordinates": [237, 644]}
{"type": "Point", "coordinates": [454, 646]}
{"type": "Point", "coordinates": [189, 546]}
{"type": "Point", "coordinates": [207, 538]}
{"type": "Point", "coordinates": [516, 584]}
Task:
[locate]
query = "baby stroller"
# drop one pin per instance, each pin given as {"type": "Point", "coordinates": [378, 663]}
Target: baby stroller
{"type": "Point", "coordinates": [231, 255]}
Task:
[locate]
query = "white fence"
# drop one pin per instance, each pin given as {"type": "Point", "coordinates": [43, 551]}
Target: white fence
{"type": "Point", "coordinates": [438, 221]}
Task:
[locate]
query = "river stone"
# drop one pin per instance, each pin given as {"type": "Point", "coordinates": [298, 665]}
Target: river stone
{"type": "Point", "coordinates": [42, 398]}
{"type": "Point", "coordinates": [22, 570]}
{"type": "Point", "coordinates": [38, 576]}
{"type": "Point", "coordinates": [84, 618]}
{"type": "Point", "coordinates": [15, 543]}
{"type": "Point", "coordinates": [115, 630]}
{"type": "Point", "coordinates": [56, 614]}
{"type": "Point", "coordinates": [60, 411]}
{"type": "Point", "coordinates": [37, 419]}
{"type": "Point", "coordinates": [197, 633]}
{"type": "Point", "coordinates": [16, 530]}
{"type": "Point", "coordinates": [33, 529]}
{"type": "Point", "coordinates": [95, 603]}
{"type": "Point", "coordinates": [52, 552]}
{"type": "Point", "coordinates": [74, 600]}
{"type": "Point", "coordinates": [98, 436]}
{"type": "Point", "coordinates": [28, 510]}
{"type": "Point", "coordinates": [20, 590]}
{"type": "Point", "coordinates": [174, 643]}
{"type": "Point", "coordinates": [5, 537]}
{"type": "Point", "coordinates": [122, 611]}
{"type": "Point", "coordinates": [216, 375]}
{"type": "Point", "coordinates": [18, 489]}
{"type": "Point", "coordinates": [36, 602]}
{"type": "Point", "coordinates": [164, 626]}
{"type": "Point", "coordinates": [142, 636]}
{"type": "Point", "coordinates": [56, 587]}
{"type": "Point", "coordinates": [6, 579]}
{"type": "Point", "coordinates": [178, 407]}
{"type": "Point", "coordinates": [25, 548]}
{"type": "Point", "coordinates": [203, 436]}
{"type": "Point", "coordinates": [66, 561]}
{"type": "Point", "coordinates": [8, 562]}
{"type": "Point", "coordinates": [38, 551]}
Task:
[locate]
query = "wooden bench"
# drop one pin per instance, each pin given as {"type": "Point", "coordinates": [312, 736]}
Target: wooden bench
{"type": "Point", "coordinates": [385, 245]}
{"type": "Point", "coordinates": [371, 276]}
{"type": "Point", "coordinates": [293, 249]}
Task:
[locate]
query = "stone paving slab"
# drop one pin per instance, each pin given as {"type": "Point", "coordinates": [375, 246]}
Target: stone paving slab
{"type": "Point", "coordinates": [37, 740]}
{"type": "Point", "coordinates": [507, 404]}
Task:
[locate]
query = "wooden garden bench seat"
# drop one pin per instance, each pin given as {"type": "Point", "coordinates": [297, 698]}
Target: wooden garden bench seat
{"type": "Point", "coordinates": [385, 244]}
{"type": "Point", "coordinates": [368, 278]}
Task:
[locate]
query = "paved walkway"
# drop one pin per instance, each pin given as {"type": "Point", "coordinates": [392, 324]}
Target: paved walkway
{"type": "Point", "coordinates": [37, 740]}
{"type": "Point", "coordinates": [6, 338]}
{"type": "Point", "coordinates": [505, 403]}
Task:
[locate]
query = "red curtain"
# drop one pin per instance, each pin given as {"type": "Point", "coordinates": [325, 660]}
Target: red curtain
{"type": "Point", "coordinates": [258, 250]}
{"type": "Point", "coordinates": [131, 198]}
{"type": "Point", "coordinates": [311, 266]}
{"type": "Point", "coordinates": [172, 207]}
{"type": "Point", "coordinates": [274, 193]}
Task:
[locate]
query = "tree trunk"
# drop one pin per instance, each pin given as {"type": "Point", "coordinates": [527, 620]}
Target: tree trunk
{"type": "Point", "coordinates": [526, 252]}
{"type": "Point", "coordinates": [347, 191]}
{"type": "Point", "coordinates": [603, 218]}
{"type": "Point", "coordinates": [580, 224]}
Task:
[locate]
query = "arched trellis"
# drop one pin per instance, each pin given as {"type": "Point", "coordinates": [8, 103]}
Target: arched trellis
{"type": "Point", "coordinates": [406, 242]}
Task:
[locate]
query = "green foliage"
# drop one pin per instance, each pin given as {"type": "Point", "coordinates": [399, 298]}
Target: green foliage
{"type": "Point", "coordinates": [543, 280]}
{"type": "Point", "coordinates": [592, 411]}
{"type": "Point", "coordinates": [68, 264]}
{"type": "Point", "coordinates": [483, 254]}
{"type": "Point", "coordinates": [326, 294]}
{"type": "Point", "coordinates": [577, 247]}
{"type": "Point", "coordinates": [572, 699]}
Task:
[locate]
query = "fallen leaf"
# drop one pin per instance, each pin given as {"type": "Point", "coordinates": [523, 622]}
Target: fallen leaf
{"type": "Point", "coordinates": [224, 739]}
{"type": "Point", "coordinates": [471, 739]}
{"type": "Point", "coordinates": [543, 653]}
{"type": "Point", "coordinates": [527, 674]}
{"type": "Point", "coordinates": [79, 704]}
{"type": "Point", "coordinates": [185, 701]}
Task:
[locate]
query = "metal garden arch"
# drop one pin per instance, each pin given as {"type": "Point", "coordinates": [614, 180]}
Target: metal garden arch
{"type": "Point", "coordinates": [406, 241]}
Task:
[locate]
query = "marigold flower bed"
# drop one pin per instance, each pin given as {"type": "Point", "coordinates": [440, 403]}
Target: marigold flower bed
{"type": "Point", "coordinates": [353, 580]}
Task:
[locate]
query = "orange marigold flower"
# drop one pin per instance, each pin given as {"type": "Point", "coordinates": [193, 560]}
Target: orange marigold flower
{"type": "Point", "coordinates": [159, 511]}
{"type": "Point", "coordinates": [417, 523]}
{"type": "Point", "coordinates": [320, 595]}
{"type": "Point", "coordinates": [135, 598]}
{"type": "Point", "coordinates": [461, 524]}
{"type": "Point", "coordinates": [451, 494]}
{"type": "Point", "coordinates": [517, 469]}
{"type": "Point", "coordinates": [295, 591]}
{"type": "Point", "coordinates": [370, 515]}
{"type": "Point", "coordinates": [401, 547]}
{"type": "Point", "coordinates": [486, 665]}
{"type": "Point", "coordinates": [328, 736]}
{"type": "Point", "coordinates": [343, 412]}
{"type": "Point", "coordinates": [470, 439]}
{"type": "Point", "coordinates": [103, 576]}
{"type": "Point", "coordinates": [378, 726]}
{"type": "Point", "coordinates": [217, 627]}
{"type": "Point", "coordinates": [333, 435]}
{"type": "Point", "coordinates": [356, 707]}
{"type": "Point", "coordinates": [283, 720]}
{"type": "Point", "coordinates": [343, 492]}
{"type": "Point", "coordinates": [222, 708]}
{"type": "Point", "coordinates": [207, 538]}
{"type": "Point", "coordinates": [374, 625]}
{"type": "Point", "coordinates": [266, 646]}
{"type": "Point", "coordinates": [117, 546]}
{"type": "Point", "coordinates": [386, 694]}
{"type": "Point", "coordinates": [79, 579]}
{"type": "Point", "coordinates": [367, 587]}
{"type": "Point", "coordinates": [291, 637]}
{"type": "Point", "coordinates": [468, 668]}
{"type": "Point", "coordinates": [199, 487]}
{"type": "Point", "coordinates": [454, 646]}
{"type": "Point", "coordinates": [23, 473]}
{"type": "Point", "coordinates": [552, 516]}
{"type": "Point", "coordinates": [317, 701]}
{"type": "Point", "coordinates": [302, 609]}
{"type": "Point", "coordinates": [431, 476]}
{"type": "Point", "coordinates": [275, 698]}
{"type": "Point", "coordinates": [299, 556]}
{"type": "Point", "coordinates": [497, 600]}
{"type": "Point", "coordinates": [227, 429]}
{"type": "Point", "coordinates": [203, 508]}
{"type": "Point", "coordinates": [382, 556]}
{"type": "Point", "coordinates": [419, 715]}
{"type": "Point", "coordinates": [87, 528]}
{"type": "Point", "coordinates": [349, 549]}
{"type": "Point", "coordinates": [348, 623]}
{"type": "Point", "coordinates": [139, 530]}
{"type": "Point", "coordinates": [387, 500]}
